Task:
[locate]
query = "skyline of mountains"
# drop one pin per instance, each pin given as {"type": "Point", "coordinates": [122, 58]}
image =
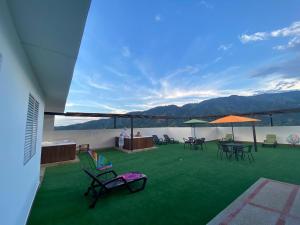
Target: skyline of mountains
{"type": "Point", "coordinates": [217, 106]}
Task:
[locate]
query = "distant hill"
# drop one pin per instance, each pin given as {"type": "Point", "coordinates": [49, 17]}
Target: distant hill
{"type": "Point", "coordinates": [223, 105]}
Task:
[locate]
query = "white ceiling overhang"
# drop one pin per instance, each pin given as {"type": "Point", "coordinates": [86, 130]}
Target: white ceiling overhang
{"type": "Point", "coordinates": [50, 32]}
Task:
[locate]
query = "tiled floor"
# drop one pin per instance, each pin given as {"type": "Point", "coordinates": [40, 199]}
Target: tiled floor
{"type": "Point", "coordinates": [267, 202]}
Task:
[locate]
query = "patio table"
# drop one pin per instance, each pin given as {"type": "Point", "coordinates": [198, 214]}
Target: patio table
{"type": "Point", "coordinates": [235, 147]}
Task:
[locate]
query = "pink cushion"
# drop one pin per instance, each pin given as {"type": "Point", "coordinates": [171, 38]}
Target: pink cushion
{"type": "Point", "coordinates": [132, 176]}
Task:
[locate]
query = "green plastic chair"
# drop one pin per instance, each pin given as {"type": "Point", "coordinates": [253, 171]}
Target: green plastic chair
{"type": "Point", "coordinates": [270, 140]}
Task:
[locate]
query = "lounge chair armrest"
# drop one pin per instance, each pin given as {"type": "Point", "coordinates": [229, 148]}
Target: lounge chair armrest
{"type": "Point", "coordinates": [107, 172]}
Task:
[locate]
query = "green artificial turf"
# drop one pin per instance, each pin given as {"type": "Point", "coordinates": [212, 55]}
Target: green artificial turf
{"type": "Point", "coordinates": [184, 187]}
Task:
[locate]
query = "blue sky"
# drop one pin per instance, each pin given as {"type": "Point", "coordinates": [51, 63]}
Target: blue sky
{"type": "Point", "coordinates": [138, 54]}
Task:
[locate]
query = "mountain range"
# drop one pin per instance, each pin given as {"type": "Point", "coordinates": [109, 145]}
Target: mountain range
{"type": "Point", "coordinates": [216, 106]}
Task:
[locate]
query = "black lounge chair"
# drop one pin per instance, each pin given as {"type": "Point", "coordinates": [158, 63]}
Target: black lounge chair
{"type": "Point", "coordinates": [158, 141]}
{"type": "Point", "coordinates": [133, 181]}
{"type": "Point", "coordinates": [169, 140]}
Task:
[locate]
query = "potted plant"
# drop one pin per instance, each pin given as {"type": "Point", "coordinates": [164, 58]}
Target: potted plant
{"type": "Point", "coordinates": [293, 139]}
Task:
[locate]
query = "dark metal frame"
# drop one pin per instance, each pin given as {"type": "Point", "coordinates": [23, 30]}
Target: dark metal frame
{"type": "Point", "coordinates": [248, 152]}
{"type": "Point", "coordinates": [169, 140]}
{"type": "Point", "coordinates": [141, 116]}
{"type": "Point", "coordinates": [188, 141]}
{"type": "Point", "coordinates": [224, 149]}
{"type": "Point", "coordinates": [158, 141]}
{"type": "Point", "coordinates": [197, 142]}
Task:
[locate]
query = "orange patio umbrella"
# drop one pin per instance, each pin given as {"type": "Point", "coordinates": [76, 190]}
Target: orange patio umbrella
{"type": "Point", "coordinates": [237, 119]}
{"type": "Point", "coordinates": [234, 119]}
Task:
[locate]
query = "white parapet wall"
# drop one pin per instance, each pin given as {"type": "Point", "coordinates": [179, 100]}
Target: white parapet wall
{"type": "Point", "coordinates": [246, 133]}
{"type": "Point", "coordinates": [103, 138]}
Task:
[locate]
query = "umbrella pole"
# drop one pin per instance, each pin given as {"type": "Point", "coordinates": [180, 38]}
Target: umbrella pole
{"type": "Point", "coordinates": [232, 131]}
{"type": "Point", "coordinates": [254, 137]}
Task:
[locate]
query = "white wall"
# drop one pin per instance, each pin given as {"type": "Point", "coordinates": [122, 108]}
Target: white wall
{"type": "Point", "coordinates": [96, 138]}
{"type": "Point", "coordinates": [245, 133]}
{"type": "Point", "coordinates": [19, 182]}
{"type": "Point", "coordinates": [209, 133]}
{"type": "Point", "coordinates": [48, 123]}
{"type": "Point", "coordinates": [103, 138]}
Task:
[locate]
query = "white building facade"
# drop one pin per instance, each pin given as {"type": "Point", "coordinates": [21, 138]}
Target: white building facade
{"type": "Point", "coordinates": [39, 44]}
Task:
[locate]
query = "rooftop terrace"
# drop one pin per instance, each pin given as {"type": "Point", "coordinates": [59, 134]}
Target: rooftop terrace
{"type": "Point", "coordinates": [184, 186]}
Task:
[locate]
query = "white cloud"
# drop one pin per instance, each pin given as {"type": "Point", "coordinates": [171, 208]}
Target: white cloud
{"type": "Point", "coordinates": [190, 88]}
{"type": "Point", "coordinates": [225, 47]}
{"type": "Point", "coordinates": [287, 66]}
{"type": "Point", "coordinates": [115, 72]}
{"type": "Point", "coordinates": [145, 71]}
{"type": "Point", "coordinates": [178, 93]}
{"type": "Point", "coordinates": [162, 102]}
{"type": "Point", "coordinates": [206, 4]}
{"type": "Point", "coordinates": [112, 109]}
{"type": "Point", "coordinates": [278, 82]}
{"type": "Point", "coordinates": [97, 106]}
{"type": "Point", "coordinates": [126, 51]}
{"type": "Point", "coordinates": [292, 31]}
{"type": "Point", "coordinates": [190, 70]}
{"type": "Point", "coordinates": [157, 18]}
{"type": "Point", "coordinates": [94, 84]}
{"type": "Point", "coordinates": [291, 44]}
{"type": "Point", "coordinates": [70, 104]}
{"type": "Point", "coordinates": [182, 96]}
{"type": "Point", "coordinates": [258, 36]}
{"type": "Point", "coordinates": [79, 91]}
{"type": "Point", "coordinates": [65, 121]}
{"type": "Point", "coordinates": [169, 91]}
{"type": "Point", "coordinates": [217, 59]}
